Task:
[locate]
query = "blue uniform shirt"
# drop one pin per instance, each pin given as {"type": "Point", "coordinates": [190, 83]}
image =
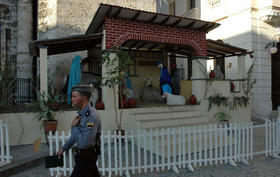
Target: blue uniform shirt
{"type": "Point", "coordinates": [84, 134]}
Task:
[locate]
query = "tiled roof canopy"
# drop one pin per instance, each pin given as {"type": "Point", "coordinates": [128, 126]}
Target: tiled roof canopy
{"type": "Point", "coordinates": [105, 10]}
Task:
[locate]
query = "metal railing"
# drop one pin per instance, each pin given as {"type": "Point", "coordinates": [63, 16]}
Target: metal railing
{"type": "Point", "coordinates": [261, 112]}
{"type": "Point", "coordinates": [16, 93]}
{"type": "Point", "coordinates": [25, 90]}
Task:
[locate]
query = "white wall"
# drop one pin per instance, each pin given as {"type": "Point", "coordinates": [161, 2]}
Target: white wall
{"type": "Point", "coordinates": [241, 114]}
{"type": "Point", "coordinates": [24, 129]}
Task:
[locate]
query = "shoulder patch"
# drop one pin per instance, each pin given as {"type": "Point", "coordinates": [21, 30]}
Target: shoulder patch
{"type": "Point", "coordinates": [90, 124]}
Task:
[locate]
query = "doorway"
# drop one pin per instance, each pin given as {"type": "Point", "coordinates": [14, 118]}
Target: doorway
{"type": "Point", "coordinates": [275, 81]}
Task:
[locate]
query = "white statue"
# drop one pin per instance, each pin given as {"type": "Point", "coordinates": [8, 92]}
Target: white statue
{"type": "Point", "coordinates": [174, 99]}
{"type": "Point", "coordinates": [94, 95]}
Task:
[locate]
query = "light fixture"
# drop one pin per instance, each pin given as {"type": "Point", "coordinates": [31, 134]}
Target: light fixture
{"type": "Point", "coordinates": [272, 45]}
{"type": "Point", "coordinates": [273, 48]}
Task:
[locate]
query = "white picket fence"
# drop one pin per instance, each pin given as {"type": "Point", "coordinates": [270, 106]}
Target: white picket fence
{"type": "Point", "coordinates": [174, 148]}
{"type": "Point", "coordinates": [5, 156]}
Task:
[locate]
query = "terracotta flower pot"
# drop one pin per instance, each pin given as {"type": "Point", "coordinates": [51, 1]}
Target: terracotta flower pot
{"type": "Point", "coordinates": [212, 74]}
{"type": "Point", "coordinates": [131, 103]}
{"type": "Point", "coordinates": [99, 105]}
{"type": "Point", "coordinates": [50, 126]}
{"type": "Point", "coordinates": [232, 86]}
{"type": "Point", "coordinates": [193, 100]}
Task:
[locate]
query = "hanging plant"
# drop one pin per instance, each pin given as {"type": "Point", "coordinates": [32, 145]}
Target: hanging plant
{"type": "Point", "coordinates": [218, 100]}
{"type": "Point", "coordinates": [239, 102]}
{"type": "Point", "coordinates": [250, 81]}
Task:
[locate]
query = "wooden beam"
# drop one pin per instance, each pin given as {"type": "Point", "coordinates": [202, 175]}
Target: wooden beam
{"type": "Point", "coordinates": [133, 45]}
{"type": "Point", "coordinates": [140, 46]}
{"type": "Point", "coordinates": [190, 25]}
{"type": "Point", "coordinates": [150, 48]}
{"type": "Point", "coordinates": [135, 16]}
{"type": "Point", "coordinates": [117, 13]}
{"type": "Point", "coordinates": [145, 54]}
{"type": "Point", "coordinates": [176, 22]}
{"type": "Point", "coordinates": [210, 27]}
{"type": "Point", "coordinates": [164, 20]}
{"type": "Point", "coordinates": [221, 48]}
{"type": "Point", "coordinates": [152, 19]}
{"type": "Point", "coordinates": [203, 27]}
{"type": "Point", "coordinates": [217, 52]}
{"type": "Point", "coordinates": [108, 12]}
{"type": "Point", "coordinates": [124, 44]}
{"type": "Point", "coordinates": [182, 52]}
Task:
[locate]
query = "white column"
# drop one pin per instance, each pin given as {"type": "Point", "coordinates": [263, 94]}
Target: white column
{"type": "Point", "coordinates": [241, 67]}
{"type": "Point", "coordinates": [44, 70]}
{"type": "Point", "coordinates": [198, 86]}
{"type": "Point", "coordinates": [107, 93]}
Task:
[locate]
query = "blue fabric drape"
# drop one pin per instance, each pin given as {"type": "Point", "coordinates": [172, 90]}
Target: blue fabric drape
{"type": "Point", "coordinates": [127, 81]}
{"type": "Point", "coordinates": [75, 75]}
{"type": "Point", "coordinates": [165, 81]}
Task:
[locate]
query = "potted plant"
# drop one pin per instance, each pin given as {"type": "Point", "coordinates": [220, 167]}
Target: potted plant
{"type": "Point", "coordinates": [115, 69]}
{"type": "Point", "coordinates": [222, 116]}
{"type": "Point", "coordinates": [48, 107]}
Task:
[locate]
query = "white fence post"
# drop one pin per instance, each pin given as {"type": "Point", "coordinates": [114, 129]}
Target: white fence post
{"type": "Point", "coordinates": [278, 134]}
{"type": "Point", "coordinates": [2, 141]}
{"type": "Point", "coordinates": [5, 156]}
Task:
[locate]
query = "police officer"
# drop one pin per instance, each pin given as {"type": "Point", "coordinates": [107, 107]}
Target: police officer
{"type": "Point", "coordinates": [85, 132]}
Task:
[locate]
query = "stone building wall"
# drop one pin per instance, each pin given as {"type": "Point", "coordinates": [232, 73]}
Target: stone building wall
{"type": "Point", "coordinates": [24, 36]}
{"type": "Point", "coordinates": [8, 35]}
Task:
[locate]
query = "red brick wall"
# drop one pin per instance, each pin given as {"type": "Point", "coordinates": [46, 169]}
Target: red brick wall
{"type": "Point", "coordinates": [118, 31]}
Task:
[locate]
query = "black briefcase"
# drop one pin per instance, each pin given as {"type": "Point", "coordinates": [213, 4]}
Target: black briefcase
{"type": "Point", "coordinates": [53, 161]}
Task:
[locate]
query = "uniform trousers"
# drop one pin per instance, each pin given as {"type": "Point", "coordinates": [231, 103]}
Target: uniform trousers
{"type": "Point", "coordinates": [85, 164]}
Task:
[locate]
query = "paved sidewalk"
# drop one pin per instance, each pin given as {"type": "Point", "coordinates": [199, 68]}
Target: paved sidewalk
{"type": "Point", "coordinates": [259, 167]}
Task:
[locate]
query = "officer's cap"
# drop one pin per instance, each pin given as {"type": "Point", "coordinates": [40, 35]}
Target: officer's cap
{"type": "Point", "coordinates": [81, 88]}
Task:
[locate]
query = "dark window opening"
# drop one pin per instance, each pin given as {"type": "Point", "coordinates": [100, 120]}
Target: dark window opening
{"type": "Point", "coordinates": [190, 4]}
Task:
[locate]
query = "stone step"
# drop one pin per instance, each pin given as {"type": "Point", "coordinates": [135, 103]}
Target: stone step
{"type": "Point", "coordinates": [166, 115]}
{"type": "Point", "coordinates": [174, 122]}
{"type": "Point", "coordinates": [160, 109]}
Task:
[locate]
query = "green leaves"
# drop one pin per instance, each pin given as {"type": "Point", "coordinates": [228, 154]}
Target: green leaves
{"type": "Point", "coordinates": [234, 103]}
{"type": "Point", "coordinates": [249, 82]}
{"type": "Point", "coordinates": [217, 99]}
{"type": "Point", "coordinates": [47, 108]}
{"type": "Point", "coordinates": [116, 63]}
{"type": "Point", "coordinates": [222, 115]}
